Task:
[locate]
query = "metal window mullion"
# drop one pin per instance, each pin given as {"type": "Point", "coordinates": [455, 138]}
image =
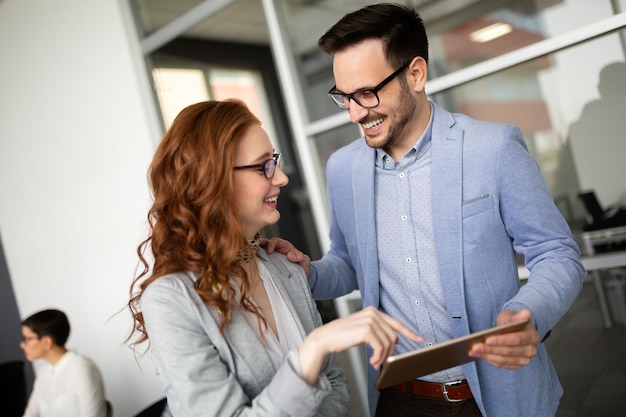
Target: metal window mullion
{"type": "Point", "coordinates": [291, 91]}
{"type": "Point", "coordinates": [310, 169]}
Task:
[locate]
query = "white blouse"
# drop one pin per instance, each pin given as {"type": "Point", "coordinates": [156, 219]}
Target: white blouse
{"type": "Point", "coordinates": [73, 387]}
{"type": "Point", "coordinates": [289, 336]}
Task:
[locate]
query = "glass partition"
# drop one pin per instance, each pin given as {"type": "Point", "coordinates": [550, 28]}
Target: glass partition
{"type": "Point", "coordinates": [549, 98]}
{"type": "Point", "coordinates": [571, 115]}
{"type": "Point", "coordinates": [152, 15]}
{"type": "Point", "coordinates": [544, 97]}
{"type": "Point", "coordinates": [461, 33]}
{"type": "Point", "coordinates": [489, 29]}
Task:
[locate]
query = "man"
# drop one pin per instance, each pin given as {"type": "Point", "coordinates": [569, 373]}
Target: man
{"type": "Point", "coordinates": [69, 385]}
{"type": "Point", "coordinates": [427, 212]}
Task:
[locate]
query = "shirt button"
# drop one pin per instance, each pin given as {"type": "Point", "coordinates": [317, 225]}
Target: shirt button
{"type": "Point", "coordinates": [408, 260]}
{"type": "Point", "coordinates": [401, 175]}
{"type": "Point", "coordinates": [419, 154]}
{"type": "Point", "coordinates": [387, 159]}
{"type": "Point", "coordinates": [404, 217]}
{"type": "Point", "coordinates": [417, 302]}
{"type": "Point", "coordinates": [430, 343]}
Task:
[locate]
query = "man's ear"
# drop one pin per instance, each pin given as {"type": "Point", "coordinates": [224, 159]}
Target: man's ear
{"type": "Point", "coordinates": [418, 74]}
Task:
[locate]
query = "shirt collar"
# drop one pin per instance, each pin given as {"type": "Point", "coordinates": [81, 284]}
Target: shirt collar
{"type": "Point", "coordinates": [421, 146]}
{"type": "Point", "coordinates": [62, 363]}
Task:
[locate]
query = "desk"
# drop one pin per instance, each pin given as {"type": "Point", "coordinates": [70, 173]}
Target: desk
{"type": "Point", "coordinates": [595, 263]}
{"type": "Point", "coordinates": [603, 236]}
{"type": "Point", "coordinates": [606, 260]}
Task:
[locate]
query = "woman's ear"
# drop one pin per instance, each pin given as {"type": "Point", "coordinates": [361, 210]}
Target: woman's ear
{"type": "Point", "coordinates": [47, 342]}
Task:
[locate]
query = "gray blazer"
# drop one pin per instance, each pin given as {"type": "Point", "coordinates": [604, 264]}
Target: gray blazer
{"type": "Point", "coordinates": [489, 201]}
{"type": "Point", "coordinates": [206, 373]}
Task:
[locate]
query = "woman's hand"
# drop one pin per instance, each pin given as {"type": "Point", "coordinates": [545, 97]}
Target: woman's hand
{"type": "Point", "coordinates": [369, 325]}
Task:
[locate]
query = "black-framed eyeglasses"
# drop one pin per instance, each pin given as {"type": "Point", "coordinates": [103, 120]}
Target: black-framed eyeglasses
{"type": "Point", "coordinates": [268, 167]}
{"type": "Point", "coordinates": [364, 98]}
{"type": "Point", "coordinates": [26, 339]}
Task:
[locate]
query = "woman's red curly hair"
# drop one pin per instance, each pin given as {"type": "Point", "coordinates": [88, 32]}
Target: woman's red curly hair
{"type": "Point", "coordinates": [193, 226]}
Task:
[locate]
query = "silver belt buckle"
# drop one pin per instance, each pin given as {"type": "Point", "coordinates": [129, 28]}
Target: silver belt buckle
{"type": "Point", "coordinates": [444, 389]}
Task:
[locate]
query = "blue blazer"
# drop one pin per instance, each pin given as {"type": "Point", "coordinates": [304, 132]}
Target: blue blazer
{"type": "Point", "coordinates": [489, 200]}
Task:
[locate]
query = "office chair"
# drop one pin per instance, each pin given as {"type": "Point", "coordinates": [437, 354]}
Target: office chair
{"type": "Point", "coordinates": [13, 393]}
{"type": "Point", "coordinates": [153, 410]}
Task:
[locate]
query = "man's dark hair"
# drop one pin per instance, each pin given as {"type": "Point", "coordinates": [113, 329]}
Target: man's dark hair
{"type": "Point", "coordinates": [51, 323]}
{"type": "Point", "coordinates": [399, 27]}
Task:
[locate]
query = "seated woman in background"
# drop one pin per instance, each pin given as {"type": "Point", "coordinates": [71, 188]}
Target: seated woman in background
{"type": "Point", "coordinates": [69, 385]}
{"type": "Point", "coordinates": [231, 329]}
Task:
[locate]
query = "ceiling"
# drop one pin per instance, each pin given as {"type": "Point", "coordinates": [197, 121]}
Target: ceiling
{"type": "Point", "coordinates": [244, 20]}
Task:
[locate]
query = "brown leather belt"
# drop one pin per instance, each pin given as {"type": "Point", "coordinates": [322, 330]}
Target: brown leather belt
{"type": "Point", "coordinates": [449, 391]}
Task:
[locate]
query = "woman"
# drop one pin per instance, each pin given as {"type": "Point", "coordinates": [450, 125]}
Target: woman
{"type": "Point", "coordinates": [233, 330]}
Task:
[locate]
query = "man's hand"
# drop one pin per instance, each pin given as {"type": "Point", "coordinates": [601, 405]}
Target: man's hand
{"type": "Point", "coordinates": [286, 248]}
{"type": "Point", "coordinates": [510, 350]}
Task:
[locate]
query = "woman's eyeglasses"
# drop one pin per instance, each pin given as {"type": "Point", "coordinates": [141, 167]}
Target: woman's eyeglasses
{"type": "Point", "coordinates": [364, 98]}
{"type": "Point", "coordinates": [26, 339]}
{"type": "Point", "coordinates": [268, 167]}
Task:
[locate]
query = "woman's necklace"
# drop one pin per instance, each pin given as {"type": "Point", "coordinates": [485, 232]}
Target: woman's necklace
{"type": "Point", "coordinates": [246, 254]}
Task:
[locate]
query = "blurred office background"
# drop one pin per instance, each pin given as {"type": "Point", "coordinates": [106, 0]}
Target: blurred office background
{"type": "Point", "coordinates": [88, 87]}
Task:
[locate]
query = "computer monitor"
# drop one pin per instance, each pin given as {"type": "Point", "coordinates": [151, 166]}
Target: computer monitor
{"type": "Point", "coordinates": [592, 205]}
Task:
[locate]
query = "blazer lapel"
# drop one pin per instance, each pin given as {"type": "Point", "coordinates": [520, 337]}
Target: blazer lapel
{"type": "Point", "coordinates": [363, 186]}
{"type": "Point", "coordinates": [245, 345]}
{"type": "Point", "coordinates": [447, 186]}
{"type": "Point", "coordinates": [276, 270]}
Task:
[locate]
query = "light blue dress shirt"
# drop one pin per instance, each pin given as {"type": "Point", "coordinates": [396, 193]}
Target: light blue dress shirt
{"type": "Point", "coordinates": [410, 285]}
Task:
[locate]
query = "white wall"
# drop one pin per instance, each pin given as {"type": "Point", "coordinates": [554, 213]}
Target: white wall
{"type": "Point", "coordinates": [76, 137]}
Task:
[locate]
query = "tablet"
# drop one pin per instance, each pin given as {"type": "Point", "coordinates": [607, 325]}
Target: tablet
{"type": "Point", "coordinates": [411, 365]}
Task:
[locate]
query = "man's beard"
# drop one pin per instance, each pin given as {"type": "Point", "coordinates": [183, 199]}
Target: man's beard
{"type": "Point", "coordinates": [402, 116]}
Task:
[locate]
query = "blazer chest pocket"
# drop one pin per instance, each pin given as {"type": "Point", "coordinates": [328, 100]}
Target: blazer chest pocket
{"type": "Point", "coordinates": [476, 205]}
